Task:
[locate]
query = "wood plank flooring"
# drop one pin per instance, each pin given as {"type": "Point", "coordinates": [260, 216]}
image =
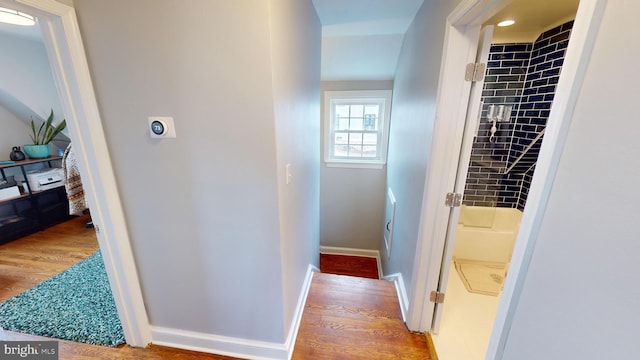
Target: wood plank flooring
{"type": "Point", "coordinates": [344, 318]}
{"type": "Point", "coordinates": [349, 265]}
{"type": "Point", "coordinates": [30, 260]}
{"type": "Point", "coordinates": [348, 317]}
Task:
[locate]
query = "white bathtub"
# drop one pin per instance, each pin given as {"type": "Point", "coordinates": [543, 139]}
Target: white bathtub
{"type": "Point", "coordinates": [486, 233]}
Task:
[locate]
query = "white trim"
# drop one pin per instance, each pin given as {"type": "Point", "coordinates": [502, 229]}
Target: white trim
{"type": "Point", "coordinates": [237, 347]}
{"type": "Point", "coordinates": [431, 239]}
{"type": "Point", "coordinates": [583, 36]}
{"type": "Point", "coordinates": [297, 316]}
{"type": "Point", "coordinates": [403, 299]}
{"type": "Point", "coordinates": [380, 97]}
{"type": "Point", "coordinates": [215, 344]}
{"type": "Point", "coordinates": [61, 37]}
{"type": "Point", "coordinates": [334, 250]}
{"type": "Point", "coordinates": [352, 165]}
{"type": "Point", "coordinates": [451, 107]}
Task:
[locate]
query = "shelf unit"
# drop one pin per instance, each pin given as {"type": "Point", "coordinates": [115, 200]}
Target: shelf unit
{"type": "Point", "coordinates": [33, 210]}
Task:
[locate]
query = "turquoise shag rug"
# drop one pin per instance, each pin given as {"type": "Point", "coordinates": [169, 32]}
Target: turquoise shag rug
{"type": "Point", "coordinates": [76, 304]}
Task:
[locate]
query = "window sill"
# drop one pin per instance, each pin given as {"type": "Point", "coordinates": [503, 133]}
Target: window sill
{"type": "Point", "coordinates": [354, 165]}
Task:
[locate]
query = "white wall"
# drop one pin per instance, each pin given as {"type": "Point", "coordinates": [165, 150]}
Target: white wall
{"type": "Point", "coordinates": [580, 298]}
{"type": "Point", "coordinates": [204, 209]}
{"type": "Point", "coordinates": [412, 119]}
{"type": "Point", "coordinates": [351, 200]}
{"type": "Point", "coordinates": [15, 132]}
{"type": "Point", "coordinates": [26, 82]}
{"type": "Point", "coordinates": [296, 84]}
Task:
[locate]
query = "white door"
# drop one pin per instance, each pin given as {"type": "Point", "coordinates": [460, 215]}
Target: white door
{"type": "Point", "coordinates": [474, 111]}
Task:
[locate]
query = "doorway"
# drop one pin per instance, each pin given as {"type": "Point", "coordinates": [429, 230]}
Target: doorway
{"type": "Point", "coordinates": [69, 65]}
{"type": "Point", "coordinates": [462, 40]}
{"type": "Point", "coordinates": [517, 94]}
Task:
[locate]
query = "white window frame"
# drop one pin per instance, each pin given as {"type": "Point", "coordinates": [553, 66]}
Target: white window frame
{"type": "Point", "coordinates": [332, 98]}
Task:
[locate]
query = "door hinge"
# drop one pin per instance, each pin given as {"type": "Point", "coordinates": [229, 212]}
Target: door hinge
{"type": "Point", "coordinates": [436, 297]}
{"type": "Point", "coordinates": [475, 72]}
{"type": "Point", "coordinates": [453, 200]}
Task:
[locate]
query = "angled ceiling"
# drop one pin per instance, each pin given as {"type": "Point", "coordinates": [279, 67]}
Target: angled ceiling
{"type": "Point", "coordinates": [361, 39]}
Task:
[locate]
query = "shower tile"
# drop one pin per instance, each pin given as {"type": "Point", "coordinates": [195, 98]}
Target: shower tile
{"type": "Point", "coordinates": [531, 71]}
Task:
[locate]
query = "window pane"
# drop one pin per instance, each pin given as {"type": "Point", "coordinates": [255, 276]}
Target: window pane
{"type": "Point", "coordinates": [357, 111]}
{"type": "Point", "coordinates": [356, 124]}
{"type": "Point", "coordinates": [372, 110]}
{"type": "Point", "coordinates": [341, 138]}
{"type": "Point", "coordinates": [370, 122]}
{"type": "Point", "coordinates": [341, 150]}
{"type": "Point", "coordinates": [370, 139]}
{"type": "Point", "coordinates": [355, 150]}
{"type": "Point", "coordinates": [342, 111]}
{"type": "Point", "coordinates": [355, 139]}
{"type": "Point", "coordinates": [369, 151]}
{"type": "Point", "coordinates": [342, 123]}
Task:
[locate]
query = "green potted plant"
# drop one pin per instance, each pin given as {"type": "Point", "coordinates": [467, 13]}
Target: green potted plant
{"type": "Point", "coordinates": [42, 137]}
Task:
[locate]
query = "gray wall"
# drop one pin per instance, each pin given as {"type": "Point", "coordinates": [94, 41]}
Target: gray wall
{"type": "Point", "coordinates": [205, 210]}
{"type": "Point", "coordinates": [352, 200]}
{"type": "Point", "coordinates": [295, 39]}
{"type": "Point", "coordinates": [580, 297]}
{"type": "Point", "coordinates": [412, 118]}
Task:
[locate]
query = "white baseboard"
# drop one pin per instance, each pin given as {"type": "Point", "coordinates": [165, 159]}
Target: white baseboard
{"type": "Point", "coordinates": [302, 299]}
{"type": "Point", "coordinates": [236, 347]}
{"type": "Point", "coordinates": [333, 250]}
{"type": "Point", "coordinates": [403, 299]}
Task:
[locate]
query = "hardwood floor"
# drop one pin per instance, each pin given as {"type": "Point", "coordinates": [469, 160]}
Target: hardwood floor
{"type": "Point", "coordinates": [348, 317]}
{"type": "Point", "coordinates": [344, 318]}
{"type": "Point", "coordinates": [349, 265]}
{"type": "Point", "coordinates": [30, 260]}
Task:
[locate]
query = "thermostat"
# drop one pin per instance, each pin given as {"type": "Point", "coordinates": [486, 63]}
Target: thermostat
{"type": "Point", "coordinates": [161, 127]}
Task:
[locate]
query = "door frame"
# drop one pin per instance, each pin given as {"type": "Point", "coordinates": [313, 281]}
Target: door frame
{"type": "Point", "coordinates": [448, 130]}
{"type": "Point", "coordinates": [67, 58]}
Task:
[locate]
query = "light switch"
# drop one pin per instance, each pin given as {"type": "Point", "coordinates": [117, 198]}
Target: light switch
{"type": "Point", "coordinates": [288, 174]}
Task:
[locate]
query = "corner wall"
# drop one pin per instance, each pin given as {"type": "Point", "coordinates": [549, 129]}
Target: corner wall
{"type": "Point", "coordinates": [580, 297]}
{"type": "Point", "coordinates": [204, 209]}
{"type": "Point", "coordinates": [412, 119]}
{"type": "Point", "coordinates": [295, 56]}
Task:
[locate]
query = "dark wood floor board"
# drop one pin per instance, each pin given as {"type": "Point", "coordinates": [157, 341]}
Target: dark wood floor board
{"type": "Point", "coordinates": [349, 265]}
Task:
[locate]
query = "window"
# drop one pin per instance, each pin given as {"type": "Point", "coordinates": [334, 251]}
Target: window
{"type": "Point", "coordinates": [356, 130]}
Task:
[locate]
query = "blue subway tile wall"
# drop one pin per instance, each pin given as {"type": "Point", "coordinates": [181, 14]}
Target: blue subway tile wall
{"type": "Point", "coordinates": [523, 76]}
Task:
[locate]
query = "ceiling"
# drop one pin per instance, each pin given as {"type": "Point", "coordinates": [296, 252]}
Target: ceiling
{"type": "Point", "coordinates": [361, 39]}
{"type": "Point", "coordinates": [532, 18]}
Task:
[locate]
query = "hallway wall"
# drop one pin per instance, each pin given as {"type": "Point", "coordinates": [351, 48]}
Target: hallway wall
{"type": "Point", "coordinates": [579, 297]}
